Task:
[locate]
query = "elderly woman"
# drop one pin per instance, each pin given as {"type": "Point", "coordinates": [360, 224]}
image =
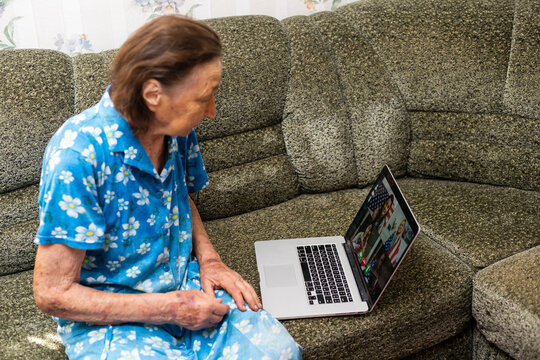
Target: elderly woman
{"type": "Point", "coordinates": [124, 264]}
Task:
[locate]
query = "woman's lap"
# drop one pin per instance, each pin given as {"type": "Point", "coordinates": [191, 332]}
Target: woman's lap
{"type": "Point", "coordinates": [241, 335]}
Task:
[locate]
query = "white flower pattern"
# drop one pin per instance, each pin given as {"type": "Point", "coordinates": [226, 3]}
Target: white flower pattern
{"type": "Point", "coordinates": [89, 235]}
{"type": "Point", "coordinates": [71, 205]}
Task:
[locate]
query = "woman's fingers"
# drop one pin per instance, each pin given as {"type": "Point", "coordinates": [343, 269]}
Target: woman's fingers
{"type": "Point", "coordinates": [242, 292]}
{"type": "Point", "coordinates": [220, 309]}
{"type": "Point", "coordinates": [208, 288]}
{"type": "Point", "coordinates": [250, 296]}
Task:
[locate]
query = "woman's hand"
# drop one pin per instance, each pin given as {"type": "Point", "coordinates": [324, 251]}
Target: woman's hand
{"type": "Point", "coordinates": [196, 310]}
{"type": "Point", "coordinates": [216, 275]}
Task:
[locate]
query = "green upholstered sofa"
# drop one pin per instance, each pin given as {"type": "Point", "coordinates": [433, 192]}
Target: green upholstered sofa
{"type": "Point", "coordinates": [447, 93]}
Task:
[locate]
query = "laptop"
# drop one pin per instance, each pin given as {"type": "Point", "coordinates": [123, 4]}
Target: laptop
{"type": "Point", "coordinates": [339, 275]}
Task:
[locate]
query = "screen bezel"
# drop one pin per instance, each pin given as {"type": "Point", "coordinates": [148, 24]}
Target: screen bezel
{"type": "Point", "coordinates": [409, 216]}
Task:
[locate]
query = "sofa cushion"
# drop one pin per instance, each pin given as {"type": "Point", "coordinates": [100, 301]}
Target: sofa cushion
{"type": "Point", "coordinates": [37, 97]}
{"type": "Point", "coordinates": [26, 332]}
{"type": "Point", "coordinates": [458, 347]}
{"type": "Point", "coordinates": [253, 87]}
{"type": "Point", "coordinates": [483, 349]}
{"type": "Point", "coordinates": [522, 88]}
{"type": "Point", "coordinates": [479, 223]}
{"type": "Point", "coordinates": [443, 55]}
{"type": "Point", "coordinates": [486, 148]}
{"type": "Point", "coordinates": [506, 304]}
{"type": "Point", "coordinates": [226, 152]}
{"type": "Point", "coordinates": [18, 225]}
{"type": "Point", "coordinates": [247, 187]}
{"type": "Point", "coordinates": [315, 125]}
{"type": "Point", "coordinates": [450, 63]}
{"type": "Point", "coordinates": [417, 311]}
{"type": "Point", "coordinates": [91, 74]}
{"type": "Point", "coordinates": [244, 144]}
{"type": "Point", "coordinates": [412, 301]}
{"type": "Point", "coordinates": [377, 116]}
{"type": "Point", "coordinates": [18, 249]}
{"type": "Point", "coordinates": [19, 206]}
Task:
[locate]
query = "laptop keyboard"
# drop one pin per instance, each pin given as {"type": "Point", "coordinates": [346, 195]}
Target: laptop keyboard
{"type": "Point", "coordinates": [323, 274]}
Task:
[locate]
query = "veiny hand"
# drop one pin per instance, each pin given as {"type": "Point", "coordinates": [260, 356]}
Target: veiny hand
{"type": "Point", "coordinates": [216, 275]}
{"type": "Point", "coordinates": [195, 310]}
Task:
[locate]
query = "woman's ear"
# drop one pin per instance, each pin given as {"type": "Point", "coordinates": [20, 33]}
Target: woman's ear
{"type": "Point", "coordinates": [151, 93]}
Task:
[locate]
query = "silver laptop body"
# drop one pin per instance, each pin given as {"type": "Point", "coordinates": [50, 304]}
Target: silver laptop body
{"type": "Point", "coordinates": [369, 254]}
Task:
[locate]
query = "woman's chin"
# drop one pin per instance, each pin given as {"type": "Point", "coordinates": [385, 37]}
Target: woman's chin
{"type": "Point", "coordinates": [180, 133]}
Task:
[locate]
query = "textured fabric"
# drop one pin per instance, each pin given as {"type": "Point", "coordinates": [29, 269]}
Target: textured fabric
{"type": "Point", "coordinates": [37, 97]}
{"type": "Point", "coordinates": [431, 287]}
{"type": "Point", "coordinates": [26, 332]}
{"type": "Point", "coordinates": [18, 251]}
{"type": "Point", "coordinates": [378, 119]}
{"type": "Point", "coordinates": [506, 304]}
{"type": "Point", "coordinates": [486, 148]}
{"type": "Point", "coordinates": [18, 225]}
{"type": "Point", "coordinates": [252, 91]}
{"type": "Point", "coordinates": [90, 72]}
{"type": "Point", "coordinates": [522, 88]}
{"type": "Point", "coordinates": [240, 335]}
{"type": "Point", "coordinates": [457, 347]}
{"type": "Point", "coordinates": [315, 126]}
{"type": "Point", "coordinates": [19, 205]}
{"type": "Point", "coordinates": [235, 150]}
{"type": "Point", "coordinates": [479, 223]}
{"type": "Point", "coordinates": [100, 192]}
{"type": "Point", "coordinates": [442, 55]}
{"type": "Point", "coordinates": [484, 350]}
{"type": "Point", "coordinates": [248, 187]}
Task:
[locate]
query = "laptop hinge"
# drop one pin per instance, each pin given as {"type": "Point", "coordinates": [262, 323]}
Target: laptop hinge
{"type": "Point", "coordinates": [355, 267]}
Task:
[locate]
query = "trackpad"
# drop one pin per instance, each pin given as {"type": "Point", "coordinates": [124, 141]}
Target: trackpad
{"type": "Point", "coordinates": [280, 275]}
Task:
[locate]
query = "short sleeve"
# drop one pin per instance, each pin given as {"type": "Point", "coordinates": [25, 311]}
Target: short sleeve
{"type": "Point", "coordinates": [69, 210]}
{"type": "Point", "coordinates": [196, 176]}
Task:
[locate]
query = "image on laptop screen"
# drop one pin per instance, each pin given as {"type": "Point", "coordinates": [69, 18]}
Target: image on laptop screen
{"type": "Point", "coordinates": [380, 235]}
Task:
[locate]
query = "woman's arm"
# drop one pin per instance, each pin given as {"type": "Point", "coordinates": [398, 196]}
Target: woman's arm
{"type": "Point", "coordinates": [57, 292]}
{"type": "Point", "coordinates": [214, 273]}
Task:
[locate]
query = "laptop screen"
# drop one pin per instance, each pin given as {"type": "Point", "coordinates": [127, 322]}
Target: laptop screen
{"type": "Point", "coordinates": [381, 233]}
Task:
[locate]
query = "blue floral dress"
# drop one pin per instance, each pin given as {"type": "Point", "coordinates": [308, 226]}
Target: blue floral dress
{"type": "Point", "coordinates": [99, 191]}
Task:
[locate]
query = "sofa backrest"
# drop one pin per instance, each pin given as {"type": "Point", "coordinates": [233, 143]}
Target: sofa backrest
{"type": "Point", "coordinates": [473, 112]}
{"type": "Point", "coordinates": [344, 118]}
{"type": "Point", "coordinates": [36, 95]}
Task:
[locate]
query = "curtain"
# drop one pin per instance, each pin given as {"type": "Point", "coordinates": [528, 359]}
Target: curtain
{"type": "Point", "coordinates": [84, 26]}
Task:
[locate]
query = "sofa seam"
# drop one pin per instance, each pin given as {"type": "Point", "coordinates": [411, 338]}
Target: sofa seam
{"type": "Point", "coordinates": [505, 89]}
{"type": "Point", "coordinates": [298, 189]}
{"type": "Point", "coordinates": [434, 240]}
{"type": "Point", "coordinates": [524, 146]}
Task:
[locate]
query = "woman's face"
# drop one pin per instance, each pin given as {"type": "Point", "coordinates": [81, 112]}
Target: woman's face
{"type": "Point", "coordinates": [182, 106]}
{"type": "Point", "coordinates": [401, 227]}
{"type": "Point", "coordinates": [368, 231]}
{"type": "Point", "coordinates": [386, 206]}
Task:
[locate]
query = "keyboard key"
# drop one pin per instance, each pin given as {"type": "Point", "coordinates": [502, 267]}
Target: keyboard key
{"type": "Point", "coordinates": [323, 274]}
{"type": "Point", "coordinates": [305, 271]}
